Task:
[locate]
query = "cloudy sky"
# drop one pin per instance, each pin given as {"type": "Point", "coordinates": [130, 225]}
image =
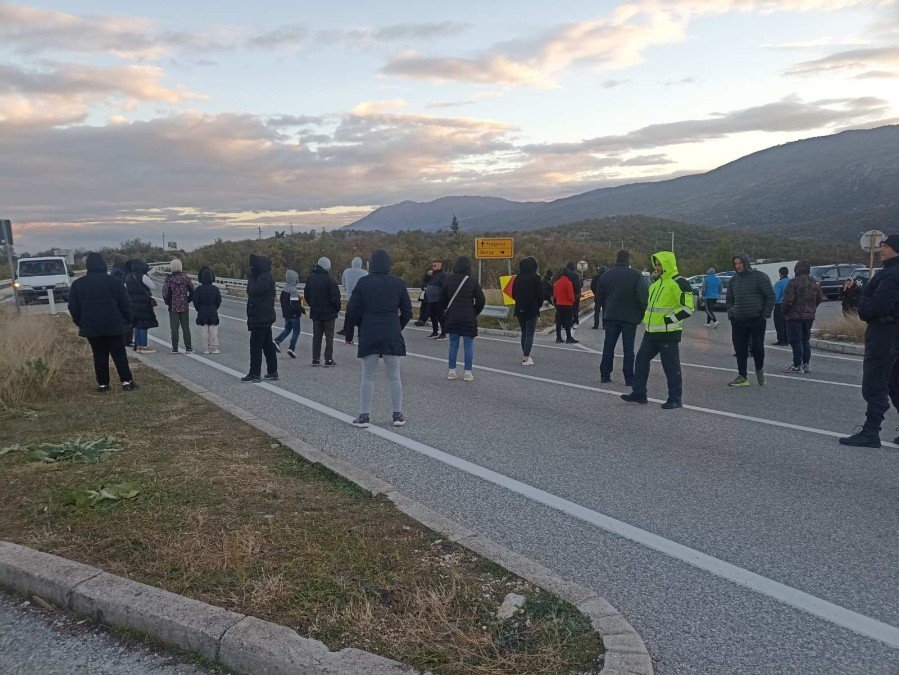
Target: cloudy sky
{"type": "Point", "coordinates": [213, 117]}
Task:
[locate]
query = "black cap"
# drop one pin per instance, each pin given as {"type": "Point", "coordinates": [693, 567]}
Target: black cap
{"type": "Point", "coordinates": [891, 240]}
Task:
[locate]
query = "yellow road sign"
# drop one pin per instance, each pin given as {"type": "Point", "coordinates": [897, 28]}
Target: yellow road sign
{"type": "Point", "coordinates": [505, 283]}
{"type": "Point", "coordinates": [494, 248]}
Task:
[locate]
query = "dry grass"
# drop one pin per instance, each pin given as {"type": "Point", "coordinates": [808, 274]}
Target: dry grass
{"type": "Point", "coordinates": [230, 517]}
{"type": "Point", "coordinates": [842, 329]}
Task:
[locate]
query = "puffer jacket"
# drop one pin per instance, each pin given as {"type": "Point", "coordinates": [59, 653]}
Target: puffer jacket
{"type": "Point", "coordinates": [207, 299]}
{"type": "Point", "coordinates": [177, 292]}
{"type": "Point", "coordinates": [750, 294]}
{"type": "Point", "coordinates": [527, 290]}
{"type": "Point", "coordinates": [142, 314]}
{"type": "Point", "coordinates": [802, 295]}
{"type": "Point", "coordinates": [322, 295]}
{"type": "Point", "coordinates": [380, 308]}
{"type": "Point", "coordinates": [98, 303]}
{"type": "Point", "coordinates": [462, 314]}
{"type": "Point", "coordinates": [880, 299]}
{"type": "Point", "coordinates": [260, 293]}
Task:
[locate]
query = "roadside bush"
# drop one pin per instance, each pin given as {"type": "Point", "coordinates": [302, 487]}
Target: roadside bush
{"type": "Point", "coordinates": [842, 329]}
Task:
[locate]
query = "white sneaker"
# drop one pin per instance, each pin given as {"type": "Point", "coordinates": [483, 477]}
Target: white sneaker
{"type": "Point", "coordinates": [468, 377]}
{"type": "Point", "coordinates": [528, 362]}
{"type": "Point", "coordinates": [715, 324]}
{"type": "Point", "coordinates": [206, 351]}
{"type": "Point", "coordinates": [452, 375]}
{"type": "Point", "coordinates": [215, 350]}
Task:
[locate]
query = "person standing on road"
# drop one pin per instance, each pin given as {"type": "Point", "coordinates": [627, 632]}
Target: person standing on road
{"type": "Point", "coordinates": [528, 293]}
{"type": "Point", "coordinates": [594, 287]}
{"type": "Point", "coordinates": [323, 297]}
{"type": "Point", "coordinates": [850, 294]}
{"type": "Point", "coordinates": [577, 284]}
{"type": "Point", "coordinates": [380, 308]}
{"type": "Point", "coordinates": [424, 313]}
{"type": "Point", "coordinates": [99, 306]}
{"type": "Point", "coordinates": [710, 291]}
{"type": "Point", "coordinates": [670, 303]}
{"type": "Point", "coordinates": [435, 308]}
{"type": "Point", "coordinates": [548, 285]}
{"type": "Point", "coordinates": [207, 300]}
{"type": "Point", "coordinates": [139, 286]}
{"type": "Point", "coordinates": [750, 302]}
{"type": "Point", "coordinates": [780, 323]}
{"type": "Point", "coordinates": [623, 296]}
{"type": "Point", "coordinates": [461, 300]}
{"type": "Point", "coordinates": [291, 310]}
{"type": "Point", "coordinates": [351, 275]}
{"type": "Point", "coordinates": [119, 271]}
{"type": "Point", "coordinates": [801, 299]}
{"type": "Point", "coordinates": [260, 318]}
{"type": "Point", "coordinates": [563, 299]}
{"type": "Point", "coordinates": [879, 308]}
{"type": "Point", "coordinates": [177, 293]}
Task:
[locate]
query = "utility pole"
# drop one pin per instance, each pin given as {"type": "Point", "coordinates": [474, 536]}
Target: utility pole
{"type": "Point", "coordinates": [260, 231]}
{"type": "Point", "coordinates": [163, 241]}
{"type": "Point", "coordinates": [291, 228]}
{"type": "Point", "coordinates": [6, 235]}
{"type": "Point", "coordinates": [672, 242]}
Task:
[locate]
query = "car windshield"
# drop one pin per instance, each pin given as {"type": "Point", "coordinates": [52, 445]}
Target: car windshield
{"type": "Point", "coordinates": [41, 268]}
{"type": "Point", "coordinates": [819, 270]}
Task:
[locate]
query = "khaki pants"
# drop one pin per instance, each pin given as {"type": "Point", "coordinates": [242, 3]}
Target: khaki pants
{"type": "Point", "coordinates": [210, 336]}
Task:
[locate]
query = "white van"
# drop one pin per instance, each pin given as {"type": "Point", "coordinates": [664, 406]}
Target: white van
{"type": "Point", "coordinates": [35, 277]}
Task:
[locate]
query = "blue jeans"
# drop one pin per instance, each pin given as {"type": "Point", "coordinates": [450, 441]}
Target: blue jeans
{"type": "Point", "coordinates": [292, 328]}
{"type": "Point", "coordinates": [140, 337]}
{"type": "Point", "coordinates": [454, 350]}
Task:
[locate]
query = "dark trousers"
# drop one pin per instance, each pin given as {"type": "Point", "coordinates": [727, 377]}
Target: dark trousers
{"type": "Point", "coordinates": [669, 350]}
{"type": "Point", "coordinates": [710, 311]}
{"type": "Point", "coordinates": [261, 343]}
{"type": "Point", "coordinates": [326, 329]}
{"type": "Point", "coordinates": [424, 312]}
{"type": "Point", "coordinates": [799, 333]}
{"type": "Point", "coordinates": [438, 320]}
{"type": "Point", "coordinates": [880, 372]}
{"type": "Point", "coordinates": [628, 333]}
{"type": "Point", "coordinates": [576, 313]}
{"type": "Point", "coordinates": [349, 330]}
{"type": "Point", "coordinates": [780, 325]}
{"type": "Point", "coordinates": [181, 319]}
{"type": "Point", "coordinates": [105, 346]}
{"type": "Point", "coordinates": [563, 320]}
{"type": "Point", "coordinates": [597, 316]}
{"type": "Point", "coordinates": [748, 335]}
{"type": "Point", "coordinates": [528, 328]}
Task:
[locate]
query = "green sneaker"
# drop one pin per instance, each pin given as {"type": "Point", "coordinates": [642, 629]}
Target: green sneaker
{"type": "Point", "coordinates": [739, 382]}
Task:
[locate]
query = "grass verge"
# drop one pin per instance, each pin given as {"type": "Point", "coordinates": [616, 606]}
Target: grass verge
{"type": "Point", "coordinates": [227, 515]}
{"type": "Point", "coordinates": [844, 328]}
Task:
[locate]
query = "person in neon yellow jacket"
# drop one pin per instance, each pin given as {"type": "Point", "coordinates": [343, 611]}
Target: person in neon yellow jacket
{"type": "Point", "coordinates": [670, 303]}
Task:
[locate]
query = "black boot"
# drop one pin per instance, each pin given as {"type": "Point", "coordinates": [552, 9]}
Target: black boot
{"type": "Point", "coordinates": [865, 438]}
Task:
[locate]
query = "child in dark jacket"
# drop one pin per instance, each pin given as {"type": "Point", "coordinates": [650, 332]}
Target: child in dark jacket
{"type": "Point", "coordinates": [207, 300]}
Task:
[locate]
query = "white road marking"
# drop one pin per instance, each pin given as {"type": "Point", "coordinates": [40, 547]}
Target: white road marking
{"type": "Point", "coordinates": [835, 614]}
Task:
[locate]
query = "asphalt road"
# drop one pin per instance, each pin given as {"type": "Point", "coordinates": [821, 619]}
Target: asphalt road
{"type": "Point", "coordinates": [736, 535]}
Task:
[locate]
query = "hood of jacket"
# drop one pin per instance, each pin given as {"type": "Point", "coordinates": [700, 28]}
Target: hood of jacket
{"type": "Point", "coordinates": [356, 263]}
{"type": "Point", "coordinates": [291, 278]}
{"type": "Point", "coordinates": [747, 266]}
{"type": "Point", "coordinates": [380, 262]}
{"type": "Point", "coordinates": [462, 265]}
{"type": "Point", "coordinates": [802, 267]}
{"type": "Point", "coordinates": [668, 262]}
{"type": "Point", "coordinates": [569, 267]}
{"type": "Point", "coordinates": [138, 267]}
{"type": "Point", "coordinates": [528, 265]}
{"type": "Point", "coordinates": [206, 276]}
{"type": "Point", "coordinates": [710, 272]}
{"type": "Point", "coordinates": [602, 269]}
{"type": "Point", "coordinates": [259, 264]}
{"type": "Point", "coordinates": [95, 262]}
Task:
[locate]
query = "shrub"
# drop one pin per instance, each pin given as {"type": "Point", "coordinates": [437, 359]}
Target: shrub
{"type": "Point", "coordinates": [842, 329]}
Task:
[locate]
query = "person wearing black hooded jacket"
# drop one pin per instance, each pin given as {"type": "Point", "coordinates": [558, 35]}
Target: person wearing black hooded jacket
{"type": "Point", "coordinates": [322, 294]}
{"type": "Point", "coordinates": [594, 287]}
{"type": "Point", "coordinates": [207, 300]}
{"type": "Point", "coordinates": [529, 295]}
{"type": "Point", "coordinates": [380, 308]}
{"type": "Point", "coordinates": [577, 281]}
{"type": "Point", "coordinates": [750, 303]}
{"type": "Point", "coordinates": [260, 318]}
{"type": "Point", "coordinates": [99, 306]}
{"type": "Point", "coordinates": [623, 295]}
{"type": "Point", "coordinates": [139, 286]}
{"type": "Point", "coordinates": [461, 300]}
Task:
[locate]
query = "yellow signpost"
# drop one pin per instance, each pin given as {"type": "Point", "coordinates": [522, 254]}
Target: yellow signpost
{"type": "Point", "coordinates": [494, 248]}
{"type": "Point", "coordinates": [505, 284]}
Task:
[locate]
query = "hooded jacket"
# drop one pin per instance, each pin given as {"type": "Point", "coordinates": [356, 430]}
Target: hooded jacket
{"type": "Point", "coordinates": [622, 294]}
{"type": "Point", "coordinates": [177, 291]}
{"type": "Point", "coordinates": [322, 294]}
{"type": "Point", "coordinates": [594, 282]}
{"type": "Point", "coordinates": [142, 314]}
{"type": "Point", "coordinates": [207, 299]}
{"type": "Point", "coordinates": [461, 315]}
{"type": "Point", "coordinates": [670, 301]}
{"type": "Point", "coordinates": [380, 308]}
{"type": "Point", "coordinates": [260, 293]}
{"type": "Point", "coordinates": [577, 282]}
{"type": "Point", "coordinates": [548, 287]}
{"type": "Point", "coordinates": [351, 276]}
{"type": "Point", "coordinates": [98, 303]}
{"type": "Point", "coordinates": [563, 291]}
{"type": "Point", "coordinates": [527, 290]}
{"type": "Point", "coordinates": [880, 299]}
{"type": "Point", "coordinates": [711, 285]}
{"type": "Point", "coordinates": [290, 297]}
{"type": "Point", "coordinates": [435, 285]}
{"type": "Point", "coordinates": [802, 295]}
{"type": "Point", "coordinates": [750, 295]}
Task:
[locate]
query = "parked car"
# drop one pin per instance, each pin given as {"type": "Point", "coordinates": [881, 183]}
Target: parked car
{"type": "Point", "coordinates": [831, 277]}
{"type": "Point", "coordinates": [863, 275]}
{"type": "Point", "coordinates": [722, 296]}
{"type": "Point", "coordinates": [36, 277]}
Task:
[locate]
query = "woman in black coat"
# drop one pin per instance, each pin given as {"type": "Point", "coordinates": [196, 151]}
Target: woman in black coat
{"type": "Point", "coordinates": [461, 300]}
{"type": "Point", "coordinates": [143, 316]}
{"type": "Point", "coordinates": [380, 308]}
{"type": "Point", "coordinates": [207, 300]}
{"type": "Point", "coordinates": [528, 293]}
{"type": "Point", "coordinates": [99, 306]}
{"type": "Point", "coordinates": [260, 317]}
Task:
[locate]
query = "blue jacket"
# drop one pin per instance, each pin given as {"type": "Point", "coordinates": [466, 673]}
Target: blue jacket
{"type": "Point", "coordinates": [779, 289]}
{"type": "Point", "coordinates": [711, 287]}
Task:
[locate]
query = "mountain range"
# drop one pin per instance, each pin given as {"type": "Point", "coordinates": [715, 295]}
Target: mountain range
{"type": "Point", "coordinates": [830, 187]}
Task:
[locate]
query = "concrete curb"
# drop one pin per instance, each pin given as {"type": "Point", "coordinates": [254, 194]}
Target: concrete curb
{"type": "Point", "coordinates": [625, 649]}
{"type": "Point", "coordinates": [839, 347]}
{"type": "Point", "coordinates": [244, 643]}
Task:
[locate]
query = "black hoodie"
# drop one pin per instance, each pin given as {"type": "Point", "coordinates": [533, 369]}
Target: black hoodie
{"type": "Point", "coordinates": [527, 290]}
{"type": "Point", "coordinates": [322, 294]}
{"type": "Point", "coordinates": [260, 293]}
{"type": "Point", "coordinates": [461, 315]}
{"type": "Point", "coordinates": [142, 314]}
{"type": "Point", "coordinates": [99, 303]}
{"type": "Point", "coordinates": [207, 299]}
{"type": "Point", "coordinates": [380, 308]}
